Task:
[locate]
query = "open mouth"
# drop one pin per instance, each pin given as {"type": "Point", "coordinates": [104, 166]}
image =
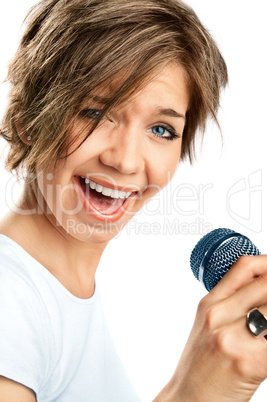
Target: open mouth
{"type": "Point", "coordinates": [104, 200]}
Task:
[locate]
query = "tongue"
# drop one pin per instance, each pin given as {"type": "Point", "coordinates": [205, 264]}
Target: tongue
{"type": "Point", "coordinates": [103, 204]}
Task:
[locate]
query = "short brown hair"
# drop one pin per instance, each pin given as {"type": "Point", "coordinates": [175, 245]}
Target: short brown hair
{"type": "Point", "coordinates": [71, 47]}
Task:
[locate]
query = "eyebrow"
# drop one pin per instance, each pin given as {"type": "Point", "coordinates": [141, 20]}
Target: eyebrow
{"type": "Point", "coordinates": [165, 112]}
{"type": "Point", "coordinates": [171, 113]}
{"type": "Point", "coordinates": [100, 99]}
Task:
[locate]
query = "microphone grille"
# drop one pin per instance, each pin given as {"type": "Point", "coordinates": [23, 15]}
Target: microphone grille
{"type": "Point", "coordinates": [216, 252]}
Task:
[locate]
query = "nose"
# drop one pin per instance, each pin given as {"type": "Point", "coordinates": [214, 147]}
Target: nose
{"type": "Point", "coordinates": [124, 151]}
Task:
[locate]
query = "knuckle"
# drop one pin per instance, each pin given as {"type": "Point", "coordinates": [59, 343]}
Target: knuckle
{"type": "Point", "coordinates": [221, 342]}
{"type": "Point", "coordinates": [208, 314]}
{"type": "Point", "coordinates": [225, 345]}
{"type": "Point", "coordinates": [251, 266]}
{"type": "Point", "coordinates": [211, 318]}
{"type": "Point", "coordinates": [261, 281]}
{"type": "Point", "coordinates": [246, 261]}
{"type": "Point", "coordinates": [242, 366]}
{"type": "Point", "coordinates": [228, 350]}
{"type": "Point", "coordinates": [203, 305]}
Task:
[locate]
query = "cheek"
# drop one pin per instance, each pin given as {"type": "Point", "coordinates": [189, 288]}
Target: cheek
{"type": "Point", "coordinates": [164, 168]}
{"type": "Point", "coordinates": [160, 175]}
{"type": "Point", "coordinates": [57, 198]}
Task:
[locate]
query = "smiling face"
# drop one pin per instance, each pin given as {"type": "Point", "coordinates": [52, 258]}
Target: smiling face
{"type": "Point", "coordinates": [129, 157]}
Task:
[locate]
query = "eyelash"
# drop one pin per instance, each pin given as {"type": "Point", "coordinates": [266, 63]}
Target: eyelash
{"type": "Point", "coordinates": [170, 129]}
{"type": "Point", "coordinates": [96, 114]}
{"type": "Point", "coordinates": [91, 113]}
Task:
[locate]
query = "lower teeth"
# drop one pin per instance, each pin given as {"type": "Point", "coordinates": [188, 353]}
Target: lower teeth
{"type": "Point", "coordinates": [104, 204]}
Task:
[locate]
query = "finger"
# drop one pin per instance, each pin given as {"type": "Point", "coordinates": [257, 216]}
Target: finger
{"type": "Point", "coordinates": [243, 271]}
{"type": "Point", "coordinates": [225, 311]}
{"type": "Point", "coordinates": [247, 352]}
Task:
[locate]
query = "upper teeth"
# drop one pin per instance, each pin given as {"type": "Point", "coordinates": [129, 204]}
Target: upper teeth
{"type": "Point", "coordinates": [106, 190]}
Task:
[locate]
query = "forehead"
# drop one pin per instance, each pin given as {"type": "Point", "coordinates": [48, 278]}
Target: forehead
{"type": "Point", "coordinates": [168, 81]}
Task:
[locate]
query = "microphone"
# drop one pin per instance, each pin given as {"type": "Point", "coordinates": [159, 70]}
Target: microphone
{"type": "Point", "coordinates": [216, 252]}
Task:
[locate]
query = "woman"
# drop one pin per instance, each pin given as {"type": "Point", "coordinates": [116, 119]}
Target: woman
{"type": "Point", "coordinates": [106, 97]}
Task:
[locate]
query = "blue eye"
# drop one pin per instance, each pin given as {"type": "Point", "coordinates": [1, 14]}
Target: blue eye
{"type": "Point", "coordinates": [91, 113]}
{"type": "Point", "coordinates": [158, 130]}
{"type": "Point", "coordinates": [165, 131]}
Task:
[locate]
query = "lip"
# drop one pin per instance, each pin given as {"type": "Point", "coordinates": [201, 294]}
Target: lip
{"type": "Point", "coordinates": [90, 210]}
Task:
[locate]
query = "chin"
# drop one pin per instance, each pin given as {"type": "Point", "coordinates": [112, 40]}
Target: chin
{"type": "Point", "coordinates": [99, 232]}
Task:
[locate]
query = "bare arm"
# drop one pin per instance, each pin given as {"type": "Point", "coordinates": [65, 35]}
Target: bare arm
{"type": "Point", "coordinates": [11, 391]}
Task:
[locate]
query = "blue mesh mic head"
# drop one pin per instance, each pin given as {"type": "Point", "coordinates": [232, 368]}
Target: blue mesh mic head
{"type": "Point", "coordinates": [216, 252]}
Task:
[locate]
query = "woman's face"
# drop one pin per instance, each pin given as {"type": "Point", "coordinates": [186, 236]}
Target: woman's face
{"type": "Point", "coordinates": [129, 157]}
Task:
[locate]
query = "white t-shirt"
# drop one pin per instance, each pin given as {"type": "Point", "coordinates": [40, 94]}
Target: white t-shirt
{"type": "Point", "coordinates": [51, 341]}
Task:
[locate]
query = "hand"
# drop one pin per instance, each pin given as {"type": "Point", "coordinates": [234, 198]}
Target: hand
{"type": "Point", "coordinates": [223, 361]}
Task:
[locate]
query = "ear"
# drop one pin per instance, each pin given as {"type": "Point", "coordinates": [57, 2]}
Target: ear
{"type": "Point", "coordinates": [24, 135]}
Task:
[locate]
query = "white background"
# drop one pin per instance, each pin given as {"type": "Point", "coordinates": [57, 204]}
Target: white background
{"type": "Point", "coordinates": [148, 290]}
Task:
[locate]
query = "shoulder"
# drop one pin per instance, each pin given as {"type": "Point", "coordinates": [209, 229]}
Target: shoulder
{"type": "Point", "coordinates": [15, 276]}
{"type": "Point", "coordinates": [22, 302]}
{"type": "Point", "coordinates": [11, 254]}
{"type": "Point", "coordinates": [19, 301]}
{"type": "Point", "coordinates": [24, 325]}
{"type": "Point", "coordinates": [23, 314]}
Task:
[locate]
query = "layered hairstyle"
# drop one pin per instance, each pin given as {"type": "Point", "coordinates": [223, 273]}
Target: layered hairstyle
{"type": "Point", "coordinates": [70, 48]}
